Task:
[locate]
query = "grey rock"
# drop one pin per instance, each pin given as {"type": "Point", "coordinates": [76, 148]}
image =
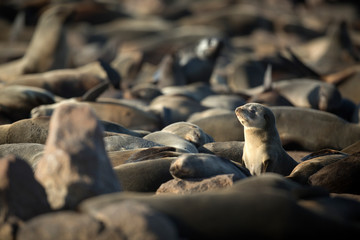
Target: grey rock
{"type": "Point", "coordinates": [20, 194]}
{"type": "Point", "coordinates": [75, 165]}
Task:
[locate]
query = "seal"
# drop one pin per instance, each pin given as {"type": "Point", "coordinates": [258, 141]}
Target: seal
{"type": "Point", "coordinates": [190, 132]}
{"type": "Point", "coordinates": [244, 204]}
{"type": "Point", "coordinates": [263, 151]}
{"type": "Point", "coordinates": [30, 152]}
{"type": "Point", "coordinates": [203, 165]}
{"type": "Point", "coordinates": [335, 180]}
{"type": "Point", "coordinates": [46, 49]}
{"type": "Point", "coordinates": [313, 163]}
{"type": "Point", "coordinates": [17, 101]}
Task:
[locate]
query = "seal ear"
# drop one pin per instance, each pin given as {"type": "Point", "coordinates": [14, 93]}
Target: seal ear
{"type": "Point", "coordinates": [265, 165]}
{"type": "Point", "coordinates": [267, 120]}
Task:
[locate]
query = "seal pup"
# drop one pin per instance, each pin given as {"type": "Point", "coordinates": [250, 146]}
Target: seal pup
{"type": "Point", "coordinates": [263, 151]}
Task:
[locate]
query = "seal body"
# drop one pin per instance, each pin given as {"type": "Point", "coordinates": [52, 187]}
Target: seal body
{"type": "Point", "coordinates": [263, 151]}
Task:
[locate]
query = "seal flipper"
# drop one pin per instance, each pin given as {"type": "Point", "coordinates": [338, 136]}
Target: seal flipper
{"type": "Point", "coordinates": [268, 79]}
{"type": "Point", "coordinates": [17, 27]}
{"type": "Point", "coordinates": [95, 92]}
{"type": "Point", "coordinates": [306, 70]}
{"type": "Point", "coordinates": [113, 75]}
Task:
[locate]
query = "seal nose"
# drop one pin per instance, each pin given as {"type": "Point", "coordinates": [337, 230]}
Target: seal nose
{"type": "Point", "coordinates": [239, 111]}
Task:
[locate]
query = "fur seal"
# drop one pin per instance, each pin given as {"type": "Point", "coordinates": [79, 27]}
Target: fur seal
{"type": "Point", "coordinates": [341, 176]}
{"type": "Point", "coordinates": [33, 130]}
{"type": "Point", "coordinates": [47, 47]}
{"type": "Point", "coordinates": [313, 163]}
{"type": "Point", "coordinates": [190, 132]}
{"type": "Point", "coordinates": [263, 151]}
{"type": "Point", "coordinates": [144, 176]}
{"type": "Point", "coordinates": [197, 65]}
{"type": "Point", "coordinates": [197, 91]}
{"type": "Point", "coordinates": [222, 126]}
{"type": "Point", "coordinates": [30, 152]}
{"type": "Point", "coordinates": [208, 113]}
{"type": "Point", "coordinates": [16, 102]}
{"type": "Point", "coordinates": [306, 93]}
{"type": "Point", "coordinates": [232, 150]}
{"type": "Point", "coordinates": [123, 142]}
{"type": "Point", "coordinates": [328, 130]}
{"type": "Point", "coordinates": [171, 140]}
{"type": "Point", "coordinates": [175, 108]}
{"type": "Point", "coordinates": [169, 72]}
{"type": "Point", "coordinates": [243, 205]}
{"type": "Point", "coordinates": [117, 112]}
{"type": "Point", "coordinates": [65, 83]}
{"type": "Point", "coordinates": [203, 165]}
{"type": "Point", "coordinates": [223, 101]}
{"type": "Point", "coordinates": [141, 154]}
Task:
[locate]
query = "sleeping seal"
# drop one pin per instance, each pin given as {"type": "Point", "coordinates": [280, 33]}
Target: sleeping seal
{"type": "Point", "coordinates": [263, 151]}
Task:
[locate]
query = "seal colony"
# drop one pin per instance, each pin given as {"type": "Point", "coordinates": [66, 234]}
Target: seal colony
{"type": "Point", "coordinates": [160, 120]}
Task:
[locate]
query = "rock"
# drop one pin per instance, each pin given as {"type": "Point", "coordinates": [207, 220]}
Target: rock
{"type": "Point", "coordinates": [137, 221]}
{"type": "Point", "coordinates": [180, 186]}
{"type": "Point", "coordinates": [21, 195]}
{"type": "Point", "coordinates": [75, 165]}
{"type": "Point", "coordinates": [65, 225]}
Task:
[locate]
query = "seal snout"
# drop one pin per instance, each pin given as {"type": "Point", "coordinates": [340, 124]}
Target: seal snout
{"type": "Point", "coordinates": [244, 114]}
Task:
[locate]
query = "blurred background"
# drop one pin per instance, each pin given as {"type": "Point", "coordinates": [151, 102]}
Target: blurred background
{"type": "Point", "coordinates": [316, 39]}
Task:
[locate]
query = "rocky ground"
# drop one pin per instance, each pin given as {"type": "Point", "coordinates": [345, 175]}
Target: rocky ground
{"type": "Point", "coordinates": [117, 119]}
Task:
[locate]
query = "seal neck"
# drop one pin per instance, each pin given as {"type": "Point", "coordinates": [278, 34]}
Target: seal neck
{"type": "Point", "coordinates": [258, 135]}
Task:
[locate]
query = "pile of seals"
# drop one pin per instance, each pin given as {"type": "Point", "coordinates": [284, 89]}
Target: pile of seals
{"type": "Point", "coordinates": [179, 120]}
